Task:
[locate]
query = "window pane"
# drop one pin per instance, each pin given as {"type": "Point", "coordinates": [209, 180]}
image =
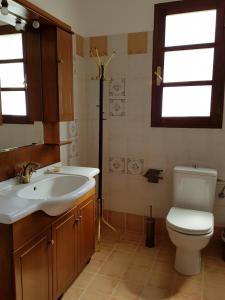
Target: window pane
{"type": "Point", "coordinates": [11, 46]}
{"type": "Point", "coordinates": [14, 103]}
{"type": "Point", "coordinates": [188, 65]}
{"type": "Point", "coordinates": [190, 28]}
{"type": "Point", "coordinates": [188, 101]}
{"type": "Point", "coordinates": [11, 75]}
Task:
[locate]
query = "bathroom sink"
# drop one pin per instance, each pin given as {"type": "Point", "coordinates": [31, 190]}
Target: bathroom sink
{"type": "Point", "coordinates": [56, 193]}
{"type": "Point", "coordinates": [55, 188]}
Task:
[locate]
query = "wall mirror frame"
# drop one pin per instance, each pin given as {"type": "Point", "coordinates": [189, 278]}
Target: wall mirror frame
{"type": "Point", "coordinates": [51, 29]}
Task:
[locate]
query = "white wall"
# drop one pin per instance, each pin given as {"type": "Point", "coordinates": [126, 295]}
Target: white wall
{"type": "Point", "coordinates": [107, 17]}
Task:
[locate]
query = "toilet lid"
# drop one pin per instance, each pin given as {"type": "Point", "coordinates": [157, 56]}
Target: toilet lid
{"type": "Point", "coordinates": [189, 221]}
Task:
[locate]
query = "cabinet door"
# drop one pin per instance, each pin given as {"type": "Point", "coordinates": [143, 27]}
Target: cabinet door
{"type": "Point", "coordinates": [65, 75]}
{"type": "Point", "coordinates": [86, 233]}
{"type": "Point", "coordinates": [33, 269]}
{"type": "Point", "coordinates": [64, 254]}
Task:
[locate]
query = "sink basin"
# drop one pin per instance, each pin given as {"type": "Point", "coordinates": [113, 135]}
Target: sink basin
{"type": "Point", "coordinates": [53, 188]}
{"type": "Point", "coordinates": [55, 194]}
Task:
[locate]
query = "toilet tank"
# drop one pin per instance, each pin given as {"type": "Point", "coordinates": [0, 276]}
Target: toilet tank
{"type": "Point", "coordinates": [194, 188]}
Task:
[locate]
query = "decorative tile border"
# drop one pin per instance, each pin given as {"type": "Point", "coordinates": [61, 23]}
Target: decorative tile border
{"type": "Point", "coordinates": [117, 165]}
{"type": "Point", "coordinates": [117, 87]}
{"type": "Point", "coordinates": [138, 43]}
{"type": "Point", "coordinates": [72, 129]}
{"type": "Point", "coordinates": [132, 223]}
{"type": "Point", "coordinates": [117, 107]}
{"type": "Point", "coordinates": [101, 43]}
{"type": "Point", "coordinates": [135, 166]}
{"type": "Point", "coordinates": [127, 222]}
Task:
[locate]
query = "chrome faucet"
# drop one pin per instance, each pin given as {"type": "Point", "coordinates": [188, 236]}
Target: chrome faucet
{"type": "Point", "coordinates": [25, 173]}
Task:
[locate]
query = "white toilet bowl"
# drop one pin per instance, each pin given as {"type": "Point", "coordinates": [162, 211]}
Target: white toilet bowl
{"type": "Point", "coordinates": [190, 231]}
{"type": "Point", "coordinates": [188, 251]}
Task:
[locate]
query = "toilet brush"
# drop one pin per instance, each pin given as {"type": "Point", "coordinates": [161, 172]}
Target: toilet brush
{"type": "Point", "coordinates": [150, 230]}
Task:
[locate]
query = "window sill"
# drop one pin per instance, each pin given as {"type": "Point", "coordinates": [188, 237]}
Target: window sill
{"type": "Point", "coordinates": [16, 120]}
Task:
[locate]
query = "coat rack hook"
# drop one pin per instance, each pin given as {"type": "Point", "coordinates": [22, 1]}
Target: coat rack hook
{"type": "Point", "coordinates": [99, 59]}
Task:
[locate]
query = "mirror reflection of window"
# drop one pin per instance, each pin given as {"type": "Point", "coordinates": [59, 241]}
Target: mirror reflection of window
{"type": "Point", "coordinates": [12, 75]}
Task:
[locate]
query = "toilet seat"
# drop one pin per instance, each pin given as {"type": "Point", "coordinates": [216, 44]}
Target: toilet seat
{"type": "Point", "coordinates": [189, 221]}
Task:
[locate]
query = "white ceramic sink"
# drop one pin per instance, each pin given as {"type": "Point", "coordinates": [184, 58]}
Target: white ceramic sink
{"type": "Point", "coordinates": [52, 189]}
{"type": "Point", "coordinates": [52, 193]}
{"type": "Point", "coordinates": [56, 193]}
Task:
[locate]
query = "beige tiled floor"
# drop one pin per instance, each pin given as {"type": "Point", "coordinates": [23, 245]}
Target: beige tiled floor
{"type": "Point", "coordinates": [126, 270]}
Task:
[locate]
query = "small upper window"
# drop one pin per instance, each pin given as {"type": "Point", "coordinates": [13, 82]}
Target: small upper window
{"type": "Point", "coordinates": [12, 77]}
{"type": "Point", "coordinates": [188, 65]}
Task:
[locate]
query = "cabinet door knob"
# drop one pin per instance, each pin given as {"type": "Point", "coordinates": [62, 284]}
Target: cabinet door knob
{"type": "Point", "coordinates": [60, 61]}
{"type": "Point", "coordinates": [77, 220]}
{"type": "Point", "coordinates": [51, 242]}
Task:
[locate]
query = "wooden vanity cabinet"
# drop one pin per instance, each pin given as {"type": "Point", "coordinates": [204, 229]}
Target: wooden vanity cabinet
{"type": "Point", "coordinates": [41, 256]}
{"type": "Point", "coordinates": [33, 272]}
{"type": "Point", "coordinates": [64, 235]}
{"type": "Point", "coordinates": [74, 244]}
{"type": "Point", "coordinates": [57, 74]}
{"type": "Point", "coordinates": [86, 232]}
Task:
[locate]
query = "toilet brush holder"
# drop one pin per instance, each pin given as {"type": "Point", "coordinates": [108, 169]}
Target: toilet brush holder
{"type": "Point", "coordinates": [150, 231]}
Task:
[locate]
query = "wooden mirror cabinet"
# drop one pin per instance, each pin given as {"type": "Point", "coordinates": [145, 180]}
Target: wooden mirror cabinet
{"type": "Point", "coordinates": [49, 69]}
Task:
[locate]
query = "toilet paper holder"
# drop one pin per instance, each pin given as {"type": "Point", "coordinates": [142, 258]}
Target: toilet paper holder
{"type": "Point", "coordinates": [153, 175]}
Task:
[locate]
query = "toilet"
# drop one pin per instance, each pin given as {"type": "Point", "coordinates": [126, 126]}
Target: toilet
{"type": "Point", "coordinates": [190, 222]}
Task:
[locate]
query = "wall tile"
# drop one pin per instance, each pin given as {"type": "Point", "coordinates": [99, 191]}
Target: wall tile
{"type": "Point", "coordinates": [117, 107]}
{"type": "Point", "coordinates": [72, 129]}
{"type": "Point", "coordinates": [101, 43]}
{"type": "Point", "coordinates": [117, 219]}
{"type": "Point", "coordinates": [134, 223]}
{"type": "Point", "coordinates": [117, 165]}
{"type": "Point", "coordinates": [135, 166]}
{"type": "Point", "coordinates": [118, 44]}
{"type": "Point", "coordinates": [140, 66]}
{"type": "Point", "coordinates": [137, 43]}
{"type": "Point", "coordinates": [117, 87]}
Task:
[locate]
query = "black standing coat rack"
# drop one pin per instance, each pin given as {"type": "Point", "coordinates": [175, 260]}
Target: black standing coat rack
{"type": "Point", "coordinates": [102, 66]}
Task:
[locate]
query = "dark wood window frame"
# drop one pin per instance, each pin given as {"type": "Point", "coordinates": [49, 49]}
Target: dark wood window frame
{"type": "Point", "coordinates": [216, 117]}
{"type": "Point", "coordinates": [14, 119]}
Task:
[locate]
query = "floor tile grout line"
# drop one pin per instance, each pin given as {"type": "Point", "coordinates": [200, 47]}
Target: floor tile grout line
{"type": "Point", "coordinates": [95, 275]}
{"type": "Point", "coordinates": [203, 278]}
{"type": "Point", "coordinates": [120, 280]}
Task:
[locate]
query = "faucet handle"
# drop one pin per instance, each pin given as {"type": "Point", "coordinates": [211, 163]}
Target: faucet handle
{"type": "Point", "coordinates": [24, 172]}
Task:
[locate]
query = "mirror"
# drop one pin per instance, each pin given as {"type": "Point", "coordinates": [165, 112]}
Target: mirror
{"type": "Point", "coordinates": [20, 86]}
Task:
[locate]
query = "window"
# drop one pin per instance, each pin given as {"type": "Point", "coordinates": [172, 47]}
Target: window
{"type": "Point", "coordinates": [12, 77]}
{"type": "Point", "coordinates": [188, 64]}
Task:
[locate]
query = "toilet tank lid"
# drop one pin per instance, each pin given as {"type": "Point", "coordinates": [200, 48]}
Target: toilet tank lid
{"type": "Point", "coordinates": [196, 171]}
